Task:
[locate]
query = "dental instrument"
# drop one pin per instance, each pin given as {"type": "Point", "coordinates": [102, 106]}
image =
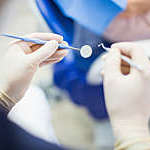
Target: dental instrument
{"type": "Point", "coordinates": [126, 59]}
{"type": "Point", "coordinates": [85, 51]}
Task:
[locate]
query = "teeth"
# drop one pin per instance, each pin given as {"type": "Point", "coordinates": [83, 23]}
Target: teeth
{"type": "Point", "coordinates": [86, 51]}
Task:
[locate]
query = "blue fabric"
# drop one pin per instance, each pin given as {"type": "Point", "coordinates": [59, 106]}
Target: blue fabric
{"type": "Point", "coordinates": [95, 15]}
{"type": "Point", "coordinates": [73, 81]}
{"type": "Point", "coordinates": [70, 75]}
{"type": "Point", "coordinates": [92, 17]}
{"type": "Point", "coordinates": [56, 21]}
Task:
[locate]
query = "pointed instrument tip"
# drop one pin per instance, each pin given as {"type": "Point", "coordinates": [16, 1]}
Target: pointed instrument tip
{"type": "Point", "coordinates": [102, 45]}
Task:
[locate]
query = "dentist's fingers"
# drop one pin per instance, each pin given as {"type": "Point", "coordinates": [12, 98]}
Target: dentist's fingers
{"type": "Point", "coordinates": [134, 50]}
{"type": "Point", "coordinates": [48, 62]}
{"type": "Point", "coordinates": [58, 54]}
{"type": "Point", "coordinates": [44, 52]}
{"type": "Point", "coordinates": [47, 36]}
{"type": "Point", "coordinates": [137, 55]}
{"type": "Point", "coordinates": [42, 36]}
{"type": "Point", "coordinates": [35, 47]}
{"type": "Point", "coordinates": [29, 47]}
{"type": "Point", "coordinates": [112, 65]}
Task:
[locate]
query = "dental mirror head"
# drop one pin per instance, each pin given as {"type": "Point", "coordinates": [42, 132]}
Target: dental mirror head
{"type": "Point", "coordinates": [86, 51]}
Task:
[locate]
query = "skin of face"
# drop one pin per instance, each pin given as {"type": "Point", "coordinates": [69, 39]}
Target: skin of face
{"type": "Point", "coordinates": [136, 8]}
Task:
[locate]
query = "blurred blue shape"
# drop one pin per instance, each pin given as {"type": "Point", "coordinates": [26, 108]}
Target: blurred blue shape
{"type": "Point", "coordinates": [95, 15]}
{"type": "Point", "coordinates": [54, 18]}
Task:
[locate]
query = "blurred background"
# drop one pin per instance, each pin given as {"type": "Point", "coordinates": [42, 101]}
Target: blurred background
{"type": "Point", "coordinates": [73, 125]}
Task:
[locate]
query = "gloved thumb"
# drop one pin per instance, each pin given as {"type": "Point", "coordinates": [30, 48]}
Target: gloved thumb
{"type": "Point", "coordinates": [44, 52]}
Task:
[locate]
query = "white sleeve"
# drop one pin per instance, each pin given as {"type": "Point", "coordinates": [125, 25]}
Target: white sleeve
{"type": "Point", "coordinates": [33, 114]}
{"type": "Point", "coordinates": [94, 73]}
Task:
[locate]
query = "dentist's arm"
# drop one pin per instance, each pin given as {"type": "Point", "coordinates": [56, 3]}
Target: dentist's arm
{"type": "Point", "coordinates": [20, 63]}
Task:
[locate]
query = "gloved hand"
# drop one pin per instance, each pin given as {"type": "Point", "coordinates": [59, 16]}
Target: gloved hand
{"type": "Point", "coordinates": [127, 96]}
{"type": "Point", "coordinates": [94, 74]}
{"type": "Point", "coordinates": [22, 60]}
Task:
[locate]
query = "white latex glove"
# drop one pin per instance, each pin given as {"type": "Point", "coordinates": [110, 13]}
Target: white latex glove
{"type": "Point", "coordinates": [127, 96]}
{"type": "Point", "coordinates": [23, 59]}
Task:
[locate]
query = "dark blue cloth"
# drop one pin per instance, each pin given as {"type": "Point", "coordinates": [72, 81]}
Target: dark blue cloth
{"type": "Point", "coordinates": [13, 137]}
{"type": "Point", "coordinates": [70, 74]}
